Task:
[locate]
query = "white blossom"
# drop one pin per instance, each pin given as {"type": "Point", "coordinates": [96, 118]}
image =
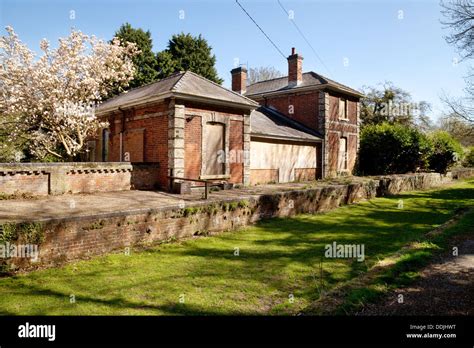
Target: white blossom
{"type": "Point", "coordinates": [49, 100]}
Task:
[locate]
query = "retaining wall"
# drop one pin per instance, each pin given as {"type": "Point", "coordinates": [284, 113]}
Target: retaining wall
{"type": "Point", "coordinates": [69, 239]}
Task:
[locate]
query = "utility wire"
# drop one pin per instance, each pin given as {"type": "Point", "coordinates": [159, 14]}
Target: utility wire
{"type": "Point", "coordinates": [304, 37]}
{"type": "Point", "coordinates": [253, 20]}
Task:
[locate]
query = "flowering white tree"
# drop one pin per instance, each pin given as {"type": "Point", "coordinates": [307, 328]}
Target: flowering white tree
{"type": "Point", "coordinates": [48, 102]}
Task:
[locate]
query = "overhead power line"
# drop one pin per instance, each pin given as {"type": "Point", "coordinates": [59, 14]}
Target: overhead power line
{"type": "Point", "coordinates": [253, 20]}
{"type": "Point", "coordinates": [304, 37]}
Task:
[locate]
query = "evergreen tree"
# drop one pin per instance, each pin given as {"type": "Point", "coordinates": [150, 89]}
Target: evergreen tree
{"type": "Point", "coordinates": [186, 52]}
{"type": "Point", "coordinates": [145, 62]}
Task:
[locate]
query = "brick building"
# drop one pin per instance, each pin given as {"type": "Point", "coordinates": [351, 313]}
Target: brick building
{"type": "Point", "coordinates": [299, 127]}
{"type": "Point", "coordinates": [327, 108]}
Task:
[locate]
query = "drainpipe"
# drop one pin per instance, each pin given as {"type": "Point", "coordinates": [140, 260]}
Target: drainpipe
{"type": "Point", "coordinates": [322, 159]}
{"type": "Point", "coordinates": [121, 142]}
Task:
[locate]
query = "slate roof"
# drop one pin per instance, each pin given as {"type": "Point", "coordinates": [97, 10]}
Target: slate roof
{"type": "Point", "coordinates": [179, 84]}
{"type": "Point", "coordinates": [269, 123]}
{"type": "Point", "coordinates": [309, 79]}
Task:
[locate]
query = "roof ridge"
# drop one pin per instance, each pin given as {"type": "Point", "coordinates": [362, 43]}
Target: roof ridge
{"type": "Point", "coordinates": [324, 82]}
{"type": "Point", "coordinates": [283, 77]}
{"type": "Point", "coordinates": [177, 84]}
{"type": "Point", "coordinates": [275, 78]}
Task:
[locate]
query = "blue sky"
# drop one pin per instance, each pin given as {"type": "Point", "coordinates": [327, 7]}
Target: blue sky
{"type": "Point", "coordinates": [384, 40]}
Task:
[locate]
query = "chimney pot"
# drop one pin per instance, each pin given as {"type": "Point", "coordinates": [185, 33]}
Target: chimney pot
{"type": "Point", "coordinates": [293, 51]}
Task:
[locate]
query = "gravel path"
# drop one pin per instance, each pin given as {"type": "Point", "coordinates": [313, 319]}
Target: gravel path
{"type": "Point", "coordinates": [446, 287]}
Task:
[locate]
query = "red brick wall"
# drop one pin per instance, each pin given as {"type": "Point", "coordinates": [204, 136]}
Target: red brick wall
{"type": "Point", "coordinates": [97, 182]}
{"type": "Point", "coordinates": [60, 178]}
{"type": "Point", "coordinates": [333, 147]}
{"type": "Point", "coordinates": [341, 128]}
{"type": "Point", "coordinates": [305, 106]}
{"type": "Point", "coordinates": [151, 146]}
{"type": "Point", "coordinates": [145, 176]}
{"type": "Point", "coordinates": [305, 174]}
{"type": "Point", "coordinates": [133, 144]}
{"type": "Point", "coordinates": [24, 182]}
{"type": "Point", "coordinates": [192, 147]}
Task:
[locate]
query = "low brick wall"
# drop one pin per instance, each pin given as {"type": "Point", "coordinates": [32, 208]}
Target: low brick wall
{"type": "Point", "coordinates": [69, 239]}
{"type": "Point", "coordinates": [145, 176]}
{"type": "Point", "coordinates": [60, 178]}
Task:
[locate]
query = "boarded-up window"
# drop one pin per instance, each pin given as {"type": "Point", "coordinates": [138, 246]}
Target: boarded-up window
{"type": "Point", "coordinates": [342, 154]}
{"type": "Point", "coordinates": [215, 149]}
{"type": "Point", "coordinates": [133, 145]}
{"type": "Point", "coordinates": [343, 109]}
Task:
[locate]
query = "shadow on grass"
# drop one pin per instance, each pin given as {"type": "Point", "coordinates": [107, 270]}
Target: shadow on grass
{"type": "Point", "coordinates": [167, 308]}
{"type": "Point", "coordinates": [267, 251]}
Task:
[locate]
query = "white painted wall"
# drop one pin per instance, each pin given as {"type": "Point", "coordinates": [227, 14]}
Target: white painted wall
{"type": "Point", "coordinates": [285, 157]}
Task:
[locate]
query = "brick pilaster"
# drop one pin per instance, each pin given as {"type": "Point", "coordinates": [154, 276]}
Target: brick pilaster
{"type": "Point", "coordinates": [358, 126]}
{"type": "Point", "coordinates": [323, 129]}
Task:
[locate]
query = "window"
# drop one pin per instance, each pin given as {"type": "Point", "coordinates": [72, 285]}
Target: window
{"type": "Point", "coordinates": [342, 154]}
{"type": "Point", "coordinates": [343, 109]}
{"type": "Point", "coordinates": [214, 149]}
{"type": "Point", "coordinates": [105, 145]}
{"type": "Point", "coordinates": [90, 151]}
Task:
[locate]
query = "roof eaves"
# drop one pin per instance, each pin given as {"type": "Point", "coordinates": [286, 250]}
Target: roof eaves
{"type": "Point", "coordinates": [281, 137]}
{"type": "Point", "coordinates": [215, 101]}
{"type": "Point", "coordinates": [135, 102]}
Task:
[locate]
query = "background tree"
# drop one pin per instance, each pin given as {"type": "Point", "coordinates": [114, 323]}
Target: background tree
{"type": "Point", "coordinates": [166, 65]}
{"type": "Point", "coordinates": [469, 157]}
{"type": "Point", "coordinates": [459, 19]}
{"type": "Point", "coordinates": [388, 103]}
{"type": "Point", "coordinates": [186, 52]}
{"type": "Point", "coordinates": [47, 103]}
{"type": "Point", "coordinates": [145, 61]}
{"type": "Point", "coordinates": [263, 73]}
{"type": "Point", "coordinates": [458, 128]}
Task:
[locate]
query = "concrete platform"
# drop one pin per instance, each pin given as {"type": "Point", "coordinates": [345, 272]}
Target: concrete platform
{"type": "Point", "coordinates": [77, 206]}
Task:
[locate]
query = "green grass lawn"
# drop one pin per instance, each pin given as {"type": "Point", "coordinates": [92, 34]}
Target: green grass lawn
{"type": "Point", "coordinates": [277, 270]}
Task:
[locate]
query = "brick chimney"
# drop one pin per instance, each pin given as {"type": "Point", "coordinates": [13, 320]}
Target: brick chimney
{"type": "Point", "coordinates": [239, 79]}
{"type": "Point", "coordinates": [295, 69]}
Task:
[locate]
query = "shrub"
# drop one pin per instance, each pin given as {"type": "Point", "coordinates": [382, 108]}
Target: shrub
{"type": "Point", "coordinates": [469, 157]}
{"type": "Point", "coordinates": [446, 151]}
{"type": "Point", "coordinates": [392, 148]}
